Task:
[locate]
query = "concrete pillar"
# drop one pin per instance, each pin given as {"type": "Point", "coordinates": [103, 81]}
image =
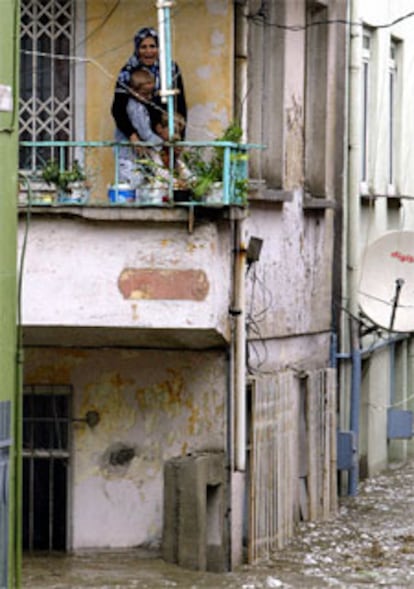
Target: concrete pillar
{"type": "Point", "coordinates": [195, 528]}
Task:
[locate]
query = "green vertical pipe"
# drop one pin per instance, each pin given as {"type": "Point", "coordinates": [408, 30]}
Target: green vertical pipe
{"type": "Point", "coordinates": [9, 365]}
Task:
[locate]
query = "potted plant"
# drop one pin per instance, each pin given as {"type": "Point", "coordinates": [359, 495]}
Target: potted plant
{"type": "Point", "coordinates": [70, 183]}
{"type": "Point", "coordinates": [207, 171]}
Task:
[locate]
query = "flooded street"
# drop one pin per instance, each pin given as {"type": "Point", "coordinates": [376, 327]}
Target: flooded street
{"type": "Point", "coordinates": [369, 544]}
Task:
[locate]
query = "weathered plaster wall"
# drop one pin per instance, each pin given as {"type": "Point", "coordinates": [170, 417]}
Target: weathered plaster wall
{"type": "Point", "coordinates": [202, 44]}
{"type": "Point", "coordinates": [132, 275]}
{"type": "Point", "coordinates": [290, 286]}
{"type": "Point", "coordinates": [153, 405]}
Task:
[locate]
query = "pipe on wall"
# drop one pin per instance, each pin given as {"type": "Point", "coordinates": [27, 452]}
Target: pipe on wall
{"type": "Point", "coordinates": [239, 345]}
{"type": "Point", "coordinates": [354, 155]}
{"type": "Point", "coordinates": [240, 63]}
{"type": "Point", "coordinates": [352, 221]}
{"type": "Point", "coordinates": [354, 418]}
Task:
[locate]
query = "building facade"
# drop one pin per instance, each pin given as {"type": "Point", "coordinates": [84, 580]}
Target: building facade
{"type": "Point", "coordinates": [178, 359]}
{"type": "Point", "coordinates": [376, 373]}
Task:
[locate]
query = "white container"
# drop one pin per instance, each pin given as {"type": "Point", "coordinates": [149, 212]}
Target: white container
{"type": "Point", "coordinates": [152, 194]}
{"type": "Point", "coordinates": [215, 194]}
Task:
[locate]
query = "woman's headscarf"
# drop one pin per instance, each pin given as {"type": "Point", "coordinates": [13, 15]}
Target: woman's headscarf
{"type": "Point", "coordinates": [143, 34]}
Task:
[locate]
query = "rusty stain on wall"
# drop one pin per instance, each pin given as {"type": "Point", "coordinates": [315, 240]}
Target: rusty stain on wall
{"type": "Point", "coordinates": [161, 284]}
{"type": "Point", "coordinates": [168, 395]}
{"type": "Point", "coordinates": [152, 405]}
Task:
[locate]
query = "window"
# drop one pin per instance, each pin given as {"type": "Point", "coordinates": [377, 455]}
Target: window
{"type": "Point", "coordinates": [46, 458]}
{"type": "Point", "coordinates": [265, 81]}
{"type": "Point", "coordinates": [392, 113]}
{"type": "Point", "coordinates": [366, 66]}
{"type": "Point", "coordinates": [47, 78]}
{"type": "Point", "coordinates": [317, 104]}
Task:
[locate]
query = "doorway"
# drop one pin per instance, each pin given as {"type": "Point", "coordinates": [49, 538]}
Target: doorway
{"type": "Point", "coordinates": [46, 459]}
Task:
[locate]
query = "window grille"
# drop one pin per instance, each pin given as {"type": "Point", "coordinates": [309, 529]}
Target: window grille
{"type": "Point", "coordinates": [46, 457]}
{"type": "Point", "coordinates": [46, 79]}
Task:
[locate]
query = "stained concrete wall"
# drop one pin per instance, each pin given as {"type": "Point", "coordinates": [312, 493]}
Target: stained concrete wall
{"type": "Point", "coordinates": [141, 276]}
{"type": "Point", "coordinates": [153, 404]}
{"type": "Point", "coordinates": [290, 286]}
{"type": "Point", "coordinates": [289, 290]}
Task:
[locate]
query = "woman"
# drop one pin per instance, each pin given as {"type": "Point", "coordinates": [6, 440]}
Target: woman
{"type": "Point", "coordinates": [145, 56]}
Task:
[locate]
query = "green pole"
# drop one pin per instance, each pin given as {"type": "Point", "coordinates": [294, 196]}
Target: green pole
{"type": "Point", "coordinates": [9, 358]}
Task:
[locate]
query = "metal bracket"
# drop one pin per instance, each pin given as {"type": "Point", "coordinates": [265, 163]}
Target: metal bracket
{"type": "Point", "coordinates": [92, 418]}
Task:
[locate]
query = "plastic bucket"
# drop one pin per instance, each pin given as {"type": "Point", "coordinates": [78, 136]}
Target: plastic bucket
{"type": "Point", "coordinates": [122, 193]}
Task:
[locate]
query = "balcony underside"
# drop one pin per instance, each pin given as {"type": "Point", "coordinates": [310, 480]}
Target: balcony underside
{"type": "Point", "coordinates": [92, 337]}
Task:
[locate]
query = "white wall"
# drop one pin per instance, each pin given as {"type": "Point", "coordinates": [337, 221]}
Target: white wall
{"type": "Point", "coordinates": [73, 272]}
{"type": "Point", "coordinates": [159, 403]}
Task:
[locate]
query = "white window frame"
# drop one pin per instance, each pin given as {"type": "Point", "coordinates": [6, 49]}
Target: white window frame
{"type": "Point", "coordinates": [393, 131]}
{"type": "Point", "coordinates": [366, 84]}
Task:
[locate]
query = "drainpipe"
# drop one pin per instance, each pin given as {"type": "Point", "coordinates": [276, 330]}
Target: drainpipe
{"type": "Point", "coordinates": [356, 358]}
{"type": "Point", "coordinates": [239, 344]}
{"type": "Point", "coordinates": [353, 224]}
{"type": "Point", "coordinates": [164, 32]}
{"type": "Point", "coordinates": [240, 64]}
{"type": "Point", "coordinates": [166, 91]}
{"type": "Point", "coordinates": [354, 150]}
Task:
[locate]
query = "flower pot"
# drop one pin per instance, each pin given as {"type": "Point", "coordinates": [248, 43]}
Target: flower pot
{"type": "Point", "coordinates": [183, 195]}
{"type": "Point", "coordinates": [77, 193]}
{"type": "Point", "coordinates": [214, 194]}
{"type": "Point", "coordinates": [153, 194]}
{"type": "Point", "coordinates": [40, 193]}
{"type": "Point", "coordinates": [122, 193]}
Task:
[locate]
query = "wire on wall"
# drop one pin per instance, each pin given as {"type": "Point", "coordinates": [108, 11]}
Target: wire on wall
{"type": "Point", "coordinates": [260, 18]}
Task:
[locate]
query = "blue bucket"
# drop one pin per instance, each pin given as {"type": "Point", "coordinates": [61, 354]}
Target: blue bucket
{"type": "Point", "coordinates": [122, 193]}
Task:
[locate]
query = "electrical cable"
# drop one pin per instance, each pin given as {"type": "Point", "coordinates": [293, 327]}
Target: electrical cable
{"type": "Point", "coordinates": [105, 20]}
{"type": "Point", "coordinates": [260, 17]}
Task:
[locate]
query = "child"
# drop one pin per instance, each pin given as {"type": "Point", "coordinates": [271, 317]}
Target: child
{"type": "Point", "coordinates": [180, 171]}
{"type": "Point", "coordinates": [142, 88]}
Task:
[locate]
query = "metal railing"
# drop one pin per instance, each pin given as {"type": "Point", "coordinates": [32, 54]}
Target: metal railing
{"type": "Point", "coordinates": [97, 173]}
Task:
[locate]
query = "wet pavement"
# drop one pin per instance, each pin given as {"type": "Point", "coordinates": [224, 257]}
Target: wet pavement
{"type": "Point", "coordinates": [370, 544]}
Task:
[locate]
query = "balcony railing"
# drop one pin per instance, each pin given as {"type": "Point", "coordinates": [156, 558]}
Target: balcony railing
{"type": "Point", "coordinates": [92, 173]}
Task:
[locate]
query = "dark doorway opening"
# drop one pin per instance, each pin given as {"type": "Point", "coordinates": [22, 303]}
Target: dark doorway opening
{"type": "Point", "coordinates": [46, 421]}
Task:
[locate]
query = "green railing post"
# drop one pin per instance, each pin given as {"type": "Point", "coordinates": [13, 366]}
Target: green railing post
{"type": "Point", "coordinates": [226, 175]}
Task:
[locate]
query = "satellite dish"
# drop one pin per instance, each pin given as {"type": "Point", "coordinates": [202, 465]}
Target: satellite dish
{"type": "Point", "coordinates": [386, 288]}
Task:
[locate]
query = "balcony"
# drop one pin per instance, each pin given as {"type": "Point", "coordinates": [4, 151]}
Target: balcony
{"type": "Point", "coordinates": [87, 173]}
{"type": "Point", "coordinates": [102, 268]}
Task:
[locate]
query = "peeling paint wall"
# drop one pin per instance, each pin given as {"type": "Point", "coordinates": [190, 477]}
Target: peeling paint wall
{"type": "Point", "coordinates": [290, 287]}
{"type": "Point", "coordinates": [109, 264]}
{"type": "Point", "coordinates": [153, 405]}
{"type": "Point", "coordinates": [202, 45]}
